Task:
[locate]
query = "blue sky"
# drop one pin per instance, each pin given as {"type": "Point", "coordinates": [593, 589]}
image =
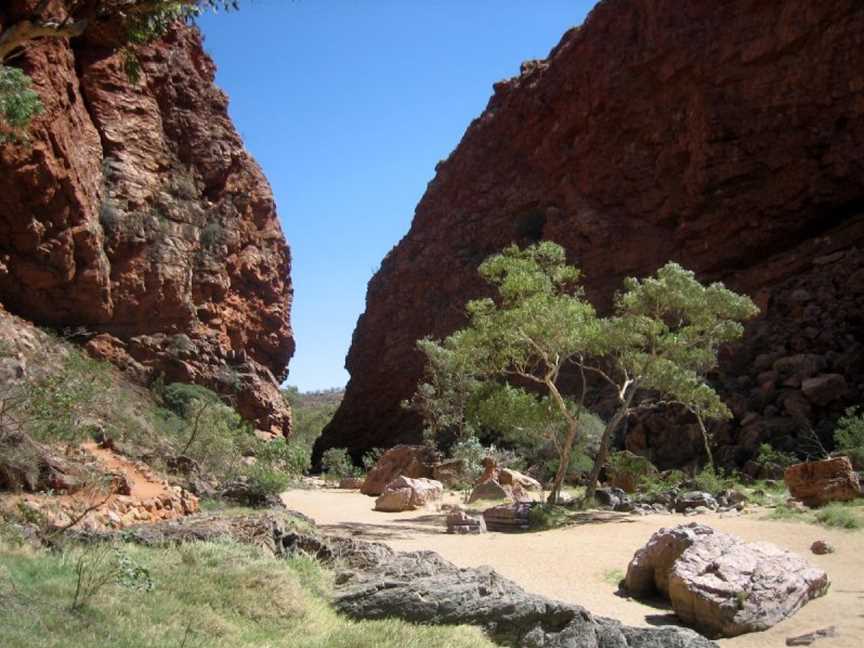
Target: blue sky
{"type": "Point", "coordinates": [348, 105]}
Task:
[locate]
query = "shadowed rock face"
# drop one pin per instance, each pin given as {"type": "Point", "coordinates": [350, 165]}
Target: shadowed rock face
{"type": "Point", "coordinates": [724, 136]}
{"type": "Point", "coordinates": [136, 212]}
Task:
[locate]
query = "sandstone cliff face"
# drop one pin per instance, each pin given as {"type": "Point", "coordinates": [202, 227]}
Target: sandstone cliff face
{"type": "Point", "coordinates": [136, 213]}
{"type": "Point", "coordinates": [724, 135]}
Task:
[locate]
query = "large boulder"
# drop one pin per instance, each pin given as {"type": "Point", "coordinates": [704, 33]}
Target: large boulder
{"type": "Point", "coordinates": [509, 477]}
{"type": "Point", "coordinates": [406, 494]}
{"type": "Point", "coordinates": [401, 460]}
{"type": "Point", "coordinates": [491, 491]}
{"type": "Point", "coordinates": [422, 587]}
{"type": "Point", "coordinates": [818, 482]}
{"type": "Point", "coordinates": [720, 584]}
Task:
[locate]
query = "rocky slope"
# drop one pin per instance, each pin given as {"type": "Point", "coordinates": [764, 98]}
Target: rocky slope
{"type": "Point", "coordinates": [136, 213]}
{"type": "Point", "coordinates": [726, 136]}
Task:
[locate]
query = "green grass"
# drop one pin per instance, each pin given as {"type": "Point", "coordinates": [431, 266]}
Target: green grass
{"type": "Point", "coordinates": [217, 595]}
{"type": "Point", "coordinates": [612, 576]}
{"type": "Point", "coordinates": [550, 516]}
{"type": "Point", "coordinates": [837, 515]}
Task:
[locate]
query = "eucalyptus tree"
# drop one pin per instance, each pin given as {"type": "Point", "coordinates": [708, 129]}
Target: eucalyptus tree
{"type": "Point", "coordinates": [655, 349]}
{"type": "Point", "coordinates": [660, 344]}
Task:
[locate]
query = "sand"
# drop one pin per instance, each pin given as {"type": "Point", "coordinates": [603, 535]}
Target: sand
{"type": "Point", "coordinates": [579, 564]}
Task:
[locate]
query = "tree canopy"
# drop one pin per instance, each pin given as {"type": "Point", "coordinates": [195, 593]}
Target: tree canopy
{"type": "Point", "coordinates": [655, 349]}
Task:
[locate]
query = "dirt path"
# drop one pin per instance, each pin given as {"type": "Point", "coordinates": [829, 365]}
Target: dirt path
{"type": "Point", "coordinates": [579, 564]}
{"type": "Point", "coordinates": [142, 486]}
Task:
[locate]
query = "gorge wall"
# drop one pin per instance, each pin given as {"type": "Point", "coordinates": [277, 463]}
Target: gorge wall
{"type": "Point", "coordinates": [135, 215]}
{"type": "Point", "coordinates": [728, 136]}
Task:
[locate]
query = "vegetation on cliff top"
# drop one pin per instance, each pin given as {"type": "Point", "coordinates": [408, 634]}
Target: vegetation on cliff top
{"type": "Point", "coordinates": [143, 22]}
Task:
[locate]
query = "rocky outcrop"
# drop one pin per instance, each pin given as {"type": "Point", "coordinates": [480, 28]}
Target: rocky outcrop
{"type": "Point", "coordinates": [421, 587]}
{"type": "Point", "coordinates": [721, 585]}
{"type": "Point", "coordinates": [406, 494]}
{"type": "Point", "coordinates": [820, 482]}
{"type": "Point", "coordinates": [135, 213]}
{"type": "Point", "coordinates": [401, 461]}
{"type": "Point", "coordinates": [723, 135]}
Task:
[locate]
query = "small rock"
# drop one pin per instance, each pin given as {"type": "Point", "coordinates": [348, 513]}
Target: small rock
{"type": "Point", "coordinates": [821, 547]}
{"type": "Point", "coordinates": [461, 523]}
{"type": "Point", "coordinates": [810, 637]}
{"type": "Point", "coordinates": [693, 500]}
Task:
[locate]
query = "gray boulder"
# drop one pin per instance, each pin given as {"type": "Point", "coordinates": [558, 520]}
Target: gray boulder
{"type": "Point", "coordinates": [720, 584]}
{"type": "Point", "coordinates": [694, 499]}
{"type": "Point", "coordinates": [422, 587]}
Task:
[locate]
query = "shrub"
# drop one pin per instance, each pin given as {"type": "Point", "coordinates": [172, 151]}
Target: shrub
{"type": "Point", "coordinates": [57, 404]}
{"type": "Point", "coordinates": [838, 516]}
{"type": "Point", "coordinates": [338, 464]}
{"type": "Point", "coordinates": [849, 434]}
{"type": "Point", "coordinates": [291, 457]}
{"type": "Point", "coordinates": [263, 482]}
{"type": "Point", "coordinates": [548, 516]}
{"type": "Point", "coordinates": [179, 396]}
{"type": "Point", "coordinates": [19, 104]}
{"type": "Point", "coordinates": [471, 452]}
{"type": "Point", "coordinates": [709, 480]}
{"type": "Point", "coordinates": [371, 458]}
{"type": "Point", "coordinates": [768, 455]}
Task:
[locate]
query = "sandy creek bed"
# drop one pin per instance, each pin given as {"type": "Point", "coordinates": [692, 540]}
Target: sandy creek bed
{"type": "Point", "coordinates": [574, 564]}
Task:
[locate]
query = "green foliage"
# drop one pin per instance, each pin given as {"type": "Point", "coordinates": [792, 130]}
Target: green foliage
{"type": "Point", "coordinates": [471, 452]}
{"type": "Point", "coordinates": [312, 411]}
{"type": "Point", "coordinates": [667, 330]}
{"type": "Point", "coordinates": [849, 434]}
{"type": "Point", "coordinates": [710, 480]}
{"type": "Point", "coordinates": [443, 400]}
{"type": "Point", "coordinates": [19, 104]}
{"type": "Point", "coordinates": [371, 457]}
{"type": "Point", "coordinates": [57, 405]}
{"type": "Point", "coordinates": [337, 464]}
{"type": "Point", "coordinates": [654, 484]}
{"type": "Point", "coordinates": [101, 565]}
{"type": "Point", "coordinates": [291, 457]}
{"type": "Point", "coordinates": [214, 594]}
{"type": "Point", "coordinates": [549, 516]}
{"type": "Point", "coordinates": [768, 455]}
{"type": "Point", "coordinates": [613, 576]}
{"type": "Point", "coordinates": [662, 339]}
{"type": "Point", "coordinates": [838, 516]}
{"type": "Point", "coordinates": [181, 397]}
{"type": "Point", "coordinates": [263, 482]}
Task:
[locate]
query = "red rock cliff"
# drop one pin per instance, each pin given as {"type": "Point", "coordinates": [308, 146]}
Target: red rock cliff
{"type": "Point", "coordinates": [728, 136]}
{"type": "Point", "coordinates": [136, 213]}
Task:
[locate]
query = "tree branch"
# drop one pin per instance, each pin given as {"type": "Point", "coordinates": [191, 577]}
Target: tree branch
{"type": "Point", "coordinates": [26, 30]}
